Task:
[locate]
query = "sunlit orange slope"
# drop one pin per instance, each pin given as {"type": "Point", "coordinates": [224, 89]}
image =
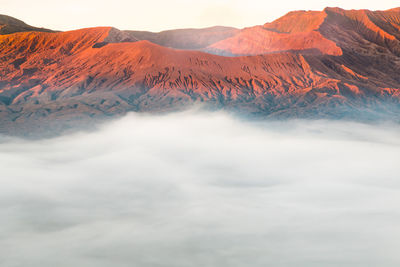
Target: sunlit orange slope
{"type": "Point", "coordinates": [330, 59]}
{"type": "Point", "coordinates": [70, 61]}
{"type": "Point", "coordinates": [326, 32]}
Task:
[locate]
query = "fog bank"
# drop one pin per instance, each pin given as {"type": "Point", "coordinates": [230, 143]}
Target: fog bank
{"type": "Point", "coordinates": [203, 189]}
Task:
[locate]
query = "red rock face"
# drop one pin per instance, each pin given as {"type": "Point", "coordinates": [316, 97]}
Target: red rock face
{"type": "Point", "coordinates": [333, 58]}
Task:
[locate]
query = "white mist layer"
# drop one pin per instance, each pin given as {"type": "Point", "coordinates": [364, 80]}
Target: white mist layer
{"type": "Point", "coordinates": [192, 189]}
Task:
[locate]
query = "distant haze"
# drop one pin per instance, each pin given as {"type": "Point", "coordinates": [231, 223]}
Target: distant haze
{"type": "Point", "coordinates": [157, 15]}
{"type": "Point", "coordinates": [191, 189]}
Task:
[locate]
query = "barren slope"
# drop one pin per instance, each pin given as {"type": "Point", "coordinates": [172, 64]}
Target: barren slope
{"type": "Point", "coordinates": [11, 25]}
{"type": "Point", "coordinates": [327, 32]}
{"type": "Point", "coordinates": [193, 39]}
{"type": "Point", "coordinates": [92, 73]}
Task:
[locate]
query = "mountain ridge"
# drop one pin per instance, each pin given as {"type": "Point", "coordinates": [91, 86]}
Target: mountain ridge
{"type": "Point", "coordinates": [9, 25]}
{"type": "Point", "coordinates": [90, 74]}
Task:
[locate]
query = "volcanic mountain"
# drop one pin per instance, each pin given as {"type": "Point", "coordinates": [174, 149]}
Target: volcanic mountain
{"type": "Point", "coordinates": [325, 32]}
{"type": "Point", "coordinates": [321, 64]}
{"type": "Point", "coordinates": [189, 39]}
{"type": "Point", "coordinates": [11, 25]}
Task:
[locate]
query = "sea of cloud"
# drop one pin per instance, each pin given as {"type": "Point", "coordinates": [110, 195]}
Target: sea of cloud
{"type": "Point", "coordinates": [203, 189]}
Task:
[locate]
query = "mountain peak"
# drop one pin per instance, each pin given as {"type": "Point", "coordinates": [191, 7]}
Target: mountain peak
{"type": "Point", "coordinates": [10, 25]}
{"type": "Point", "coordinates": [8, 20]}
{"type": "Point", "coordinates": [304, 21]}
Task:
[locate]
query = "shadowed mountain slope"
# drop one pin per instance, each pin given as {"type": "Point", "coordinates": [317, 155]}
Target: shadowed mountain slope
{"type": "Point", "coordinates": [11, 25]}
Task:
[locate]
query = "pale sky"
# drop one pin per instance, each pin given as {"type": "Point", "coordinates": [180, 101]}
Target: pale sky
{"type": "Point", "coordinates": [157, 15]}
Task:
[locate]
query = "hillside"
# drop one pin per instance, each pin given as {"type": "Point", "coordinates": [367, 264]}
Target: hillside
{"type": "Point", "coordinates": [67, 78]}
{"type": "Point", "coordinates": [189, 39]}
{"type": "Point", "coordinates": [320, 32]}
{"type": "Point", "coordinates": [11, 25]}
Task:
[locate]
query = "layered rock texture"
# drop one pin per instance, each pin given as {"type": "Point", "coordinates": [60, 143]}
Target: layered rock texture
{"type": "Point", "coordinates": [333, 63]}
